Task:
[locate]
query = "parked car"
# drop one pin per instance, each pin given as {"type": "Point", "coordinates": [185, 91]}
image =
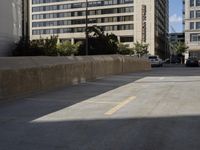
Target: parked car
{"type": "Point", "coordinates": [167, 61]}
{"type": "Point", "coordinates": [192, 62]}
{"type": "Point", "coordinates": [155, 61]}
{"type": "Point", "coordinates": [175, 60]}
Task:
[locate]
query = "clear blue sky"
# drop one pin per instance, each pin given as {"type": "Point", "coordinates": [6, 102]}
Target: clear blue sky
{"type": "Point", "coordinates": [175, 14]}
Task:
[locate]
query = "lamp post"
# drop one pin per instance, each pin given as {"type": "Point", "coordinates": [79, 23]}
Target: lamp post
{"type": "Point", "coordinates": [86, 28]}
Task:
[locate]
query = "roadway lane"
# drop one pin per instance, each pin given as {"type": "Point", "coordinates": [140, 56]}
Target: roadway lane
{"type": "Point", "coordinates": [155, 110]}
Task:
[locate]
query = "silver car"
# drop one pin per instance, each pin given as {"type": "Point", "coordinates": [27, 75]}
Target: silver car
{"type": "Point", "coordinates": [155, 61]}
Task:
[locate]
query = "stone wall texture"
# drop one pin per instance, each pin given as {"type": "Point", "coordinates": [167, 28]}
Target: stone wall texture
{"type": "Point", "coordinates": [22, 76]}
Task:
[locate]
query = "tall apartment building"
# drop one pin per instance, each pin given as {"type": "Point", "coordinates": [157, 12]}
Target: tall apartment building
{"type": "Point", "coordinates": [131, 20]}
{"type": "Point", "coordinates": [192, 26]}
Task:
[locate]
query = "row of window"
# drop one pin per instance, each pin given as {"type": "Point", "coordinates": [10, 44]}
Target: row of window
{"type": "Point", "coordinates": [122, 39]}
{"type": "Point", "coordinates": [75, 30]}
{"type": "Point", "coordinates": [46, 1]}
{"type": "Point", "coordinates": [96, 2]}
{"type": "Point", "coordinates": [194, 14]}
{"type": "Point", "coordinates": [194, 3]}
{"type": "Point", "coordinates": [80, 5]}
{"type": "Point", "coordinates": [194, 25]}
{"type": "Point", "coordinates": [82, 13]}
{"type": "Point", "coordinates": [82, 21]}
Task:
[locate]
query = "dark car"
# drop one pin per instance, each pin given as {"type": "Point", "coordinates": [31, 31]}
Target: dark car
{"type": "Point", "coordinates": [192, 62]}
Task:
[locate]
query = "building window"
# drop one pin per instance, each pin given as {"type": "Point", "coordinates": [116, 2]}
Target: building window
{"type": "Point", "coordinates": [198, 14]}
{"type": "Point", "coordinates": [191, 14]}
{"type": "Point", "coordinates": [197, 2]}
{"type": "Point", "coordinates": [191, 25]}
{"type": "Point", "coordinates": [191, 3]}
{"type": "Point", "coordinates": [126, 39]}
{"type": "Point", "coordinates": [197, 25]}
{"type": "Point", "coordinates": [195, 37]}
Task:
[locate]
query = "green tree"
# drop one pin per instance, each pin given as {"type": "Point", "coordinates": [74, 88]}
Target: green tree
{"type": "Point", "coordinates": [67, 49]}
{"type": "Point", "coordinates": [180, 48]}
{"type": "Point", "coordinates": [124, 49]}
{"type": "Point", "coordinates": [141, 49]}
{"type": "Point", "coordinates": [99, 42]}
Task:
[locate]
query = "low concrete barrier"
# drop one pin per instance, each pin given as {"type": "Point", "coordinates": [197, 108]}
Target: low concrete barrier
{"type": "Point", "coordinates": [20, 76]}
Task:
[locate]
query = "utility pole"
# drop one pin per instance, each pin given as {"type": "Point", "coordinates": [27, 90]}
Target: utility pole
{"type": "Point", "coordinates": [86, 29]}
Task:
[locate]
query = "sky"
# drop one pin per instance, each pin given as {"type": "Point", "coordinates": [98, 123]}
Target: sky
{"type": "Point", "coordinates": [175, 15]}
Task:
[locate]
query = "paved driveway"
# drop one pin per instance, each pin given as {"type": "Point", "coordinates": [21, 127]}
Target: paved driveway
{"type": "Point", "coordinates": [155, 110]}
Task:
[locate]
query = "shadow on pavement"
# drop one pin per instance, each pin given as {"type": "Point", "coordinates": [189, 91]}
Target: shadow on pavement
{"type": "Point", "coordinates": [172, 133]}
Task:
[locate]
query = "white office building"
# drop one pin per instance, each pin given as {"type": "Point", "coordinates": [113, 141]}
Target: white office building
{"type": "Point", "coordinates": [192, 26]}
{"type": "Point", "coordinates": [131, 20]}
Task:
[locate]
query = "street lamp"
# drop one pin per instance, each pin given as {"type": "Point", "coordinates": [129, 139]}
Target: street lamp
{"type": "Point", "coordinates": [86, 28]}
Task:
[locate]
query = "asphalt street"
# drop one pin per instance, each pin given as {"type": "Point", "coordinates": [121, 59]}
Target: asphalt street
{"type": "Point", "coordinates": [154, 110]}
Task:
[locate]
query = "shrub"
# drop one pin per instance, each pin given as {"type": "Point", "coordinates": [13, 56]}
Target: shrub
{"type": "Point", "coordinates": [67, 49]}
{"type": "Point", "coordinates": [141, 49]}
{"type": "Point", "coordinates": [125, 50]}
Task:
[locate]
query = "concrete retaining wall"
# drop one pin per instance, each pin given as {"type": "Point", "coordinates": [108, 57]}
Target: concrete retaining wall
{"type": "Point", "coordinates": [21, 76]}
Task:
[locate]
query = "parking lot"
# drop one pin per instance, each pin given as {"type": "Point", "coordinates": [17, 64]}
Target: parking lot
{"type": "Point", "coordinates": [154, 110]}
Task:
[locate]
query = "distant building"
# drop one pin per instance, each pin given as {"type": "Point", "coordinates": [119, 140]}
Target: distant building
{"type": "Point", "coordinates": [177, 37]}
{"type": "Point", "coordinates": [192, 26]}
{"type": "Point", "coordinates": [131, 20]}
{"type": "Point", "coordinates": [10, 26]}
{"type": "Point", "coordinates": [174, 38]}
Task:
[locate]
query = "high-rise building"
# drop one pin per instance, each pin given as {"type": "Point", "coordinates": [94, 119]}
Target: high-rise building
{"type": "Point", "coordinates": [192, 26]}
{"type": "Point", "coordinates": [10, 26]}
{"type": "Point", "coordinates": [131, 20]}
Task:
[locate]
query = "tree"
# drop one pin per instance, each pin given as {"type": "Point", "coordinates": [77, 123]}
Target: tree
{"type": "Point", "coordinates": [141, 49]}
{"type": "Point", "coordinates": [180, 48]}
{"type": "Point", "coordinates": [67, 48]}
{"type": "Point", "coordinates": [39, 47]}
{"type": "Point", "coordinates": [99, 42]}
{"type": "Point", "coordinates": [124, 49]}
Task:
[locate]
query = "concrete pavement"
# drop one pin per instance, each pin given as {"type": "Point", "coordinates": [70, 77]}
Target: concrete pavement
{"type": "Point", "coordinates": [155, 110]}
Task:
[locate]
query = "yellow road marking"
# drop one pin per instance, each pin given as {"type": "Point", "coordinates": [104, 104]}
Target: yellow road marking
{"type": "Point", "coordinates": [102, 102]}
{"type": "Point", "coordinates": [120, 105]}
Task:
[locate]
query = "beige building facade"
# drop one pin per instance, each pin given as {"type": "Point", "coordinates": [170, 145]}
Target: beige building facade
{"type": "Point", "coordinates": [131, 20]}
{"type": "Point", "coordinates": [192, 26]}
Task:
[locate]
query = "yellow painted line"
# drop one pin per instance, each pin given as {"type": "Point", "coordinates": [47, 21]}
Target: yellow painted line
{"type": "Point", "coordinates": [161, 78]}
{"type": "Point", "coordinates": [102, 102]}
{"type": "Point", "coordinates": [120, 105]}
